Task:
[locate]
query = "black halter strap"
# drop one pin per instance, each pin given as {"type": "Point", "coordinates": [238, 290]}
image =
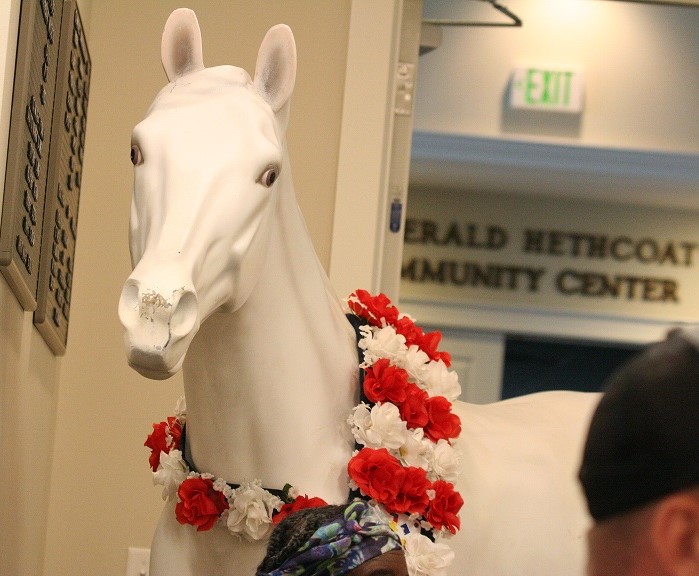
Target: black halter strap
{"type": "Point", "coordinates": [187, 457]}
{"type": "Point", "coordinates": [357, 322]}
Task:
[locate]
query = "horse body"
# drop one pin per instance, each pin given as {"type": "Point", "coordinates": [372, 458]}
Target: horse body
{"type": "Point", "coordinates": [524, 512]}
{"type": "Point", "coordinates": [226, 285]}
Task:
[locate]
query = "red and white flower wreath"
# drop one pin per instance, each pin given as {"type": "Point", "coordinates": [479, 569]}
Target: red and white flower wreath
{"type": "Point", "coordinates": [406, 429]}
{"type": "Point", "coordinates": [407, 462]}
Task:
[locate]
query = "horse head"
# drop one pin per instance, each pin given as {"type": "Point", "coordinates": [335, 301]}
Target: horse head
{"type": "Point", "coordinates": [208, 165]}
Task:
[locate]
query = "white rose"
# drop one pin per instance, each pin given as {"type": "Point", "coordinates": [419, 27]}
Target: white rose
{"type": "Point", "coordinates": [387, 430]}
{"type": "Point", "coordinates": [417, 450]}
{"type": "Point", "coordinates": [426, 558]}
{"type": "Point", "coordinates": [171, 473]}
{"type": "Point", "coordinates": [250, 514]}
{"type": "Point", "coordinates": [440, 381]}
{"type": "Point", "coordinates": [446, 461]}
{"type": "Point", "coordinates": [380, 343]}
{"type": "Point", "coordinates": [413, 362]}
{"type": "Point", "coordinates": [181, 409]}
{"type": "Point", "coordinates": [360, 422]}
{"type": "Point", "coordinates": [222, 486]}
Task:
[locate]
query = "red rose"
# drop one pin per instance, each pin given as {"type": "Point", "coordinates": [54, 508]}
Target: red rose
{"type": "Point", "coordinates": [413, 410]}
{"type": "Point", "coordinates": [199, 504]}
{"type": "Point", "coordinates": [165, 437]}
{"type": "Point", "coordinates": [299, 503]}
{"type": "Point", "coordinates": [444, 507]}
{"type": "Point", "coordinates": [175, 431]}
{"type": "Point", "coordinates": [441, 422]}
{"type": "Point", "coordinates": [383, 381]}
{"type": "Point", "coordinates": [407, 328]}
{"type": "Point", "coordinates": [444, 357]}
{"type": "Point", "coordinates": [412, 497]}
{"type": "Point", "coordinates": [428, 344]}
{"type": "Point", "coordinates": [414, 335]}
{"type": "Point", "coordinates": [378, 474]}
{"type": "Point", "coordinates": [373, 308]}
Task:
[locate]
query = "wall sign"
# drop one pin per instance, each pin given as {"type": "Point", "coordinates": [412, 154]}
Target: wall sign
{"type": "Point", "coordinates": [547, 89]}
{"type": "Point", "coordinates": [44, 164]}
{"type": "Point", "coordinates": [558, 254]}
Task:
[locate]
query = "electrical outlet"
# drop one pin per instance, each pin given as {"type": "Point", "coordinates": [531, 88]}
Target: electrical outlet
{"type": "Point", "coordinates": [138, 562]}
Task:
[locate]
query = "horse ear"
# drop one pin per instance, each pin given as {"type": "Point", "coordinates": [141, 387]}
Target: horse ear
{"type": "Point", "coordinates": [180, 48]}
{"type": "Point", "coordinates": [275, 71]}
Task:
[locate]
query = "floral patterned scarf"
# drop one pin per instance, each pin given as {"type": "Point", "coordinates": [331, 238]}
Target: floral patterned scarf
{"type": "Point", "coordinates": [342, 544]}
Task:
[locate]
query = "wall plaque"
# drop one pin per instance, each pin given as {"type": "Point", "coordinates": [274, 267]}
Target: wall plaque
{"type": "Point", "coordinates": [63, 182]}
{"type": "Point", "coordinates": [44, 163]}
{"type": "Point", "coordinates": [28, 146]}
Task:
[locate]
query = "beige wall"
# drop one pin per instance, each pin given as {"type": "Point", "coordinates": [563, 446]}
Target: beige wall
{"type": "Point", "coordinates": [101, 497]}
{"type": "Point", "coordinates": [29, 386]}
{"type": "Point", "coordinates": [29, 378]}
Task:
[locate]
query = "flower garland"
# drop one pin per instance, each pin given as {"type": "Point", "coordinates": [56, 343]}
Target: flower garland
{"type": "Point", "coordinates": [247, 510]}
{"type": "Point", "coordinates": [407, 461]}
{"type": "Point", "coordinates": [404, 430]}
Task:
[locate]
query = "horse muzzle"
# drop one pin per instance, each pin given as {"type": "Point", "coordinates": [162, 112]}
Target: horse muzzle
{"type": "Point", "coordinates": [159, 325]}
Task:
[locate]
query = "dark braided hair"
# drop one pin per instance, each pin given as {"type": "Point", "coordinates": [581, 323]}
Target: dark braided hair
{"type": "Point", "coordinates": [294, 531]}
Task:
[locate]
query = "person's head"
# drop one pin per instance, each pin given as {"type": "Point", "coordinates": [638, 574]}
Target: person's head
{"type": "Point", "coordinates": [334, 541]}
{"type": "Point", "coordinates": [640, 466]}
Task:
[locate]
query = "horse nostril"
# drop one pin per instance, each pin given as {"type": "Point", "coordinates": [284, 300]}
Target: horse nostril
{"type": "Point", "coordinates": [184, 316]}
{"type": "Point", "coordinates": [128, 303]}
{"type": "Point", "coordinates": [129, 295]}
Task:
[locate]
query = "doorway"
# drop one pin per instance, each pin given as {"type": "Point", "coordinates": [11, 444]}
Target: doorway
{"type": "Point", "coordinates": [535, 365]}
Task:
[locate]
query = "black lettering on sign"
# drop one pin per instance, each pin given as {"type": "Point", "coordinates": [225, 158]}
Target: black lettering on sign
{"type": "Point", "coordinates": [600, 246]}
{"type": "Point", "coordinates": [461, 235]}
{"type": "Point", "coordinates": [640, 288]}
{"type": "Point", "coordinates": [472, 274]}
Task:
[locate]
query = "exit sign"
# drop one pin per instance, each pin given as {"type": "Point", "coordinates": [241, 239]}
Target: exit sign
{"type": "Point", "coordinates": [547, 89]}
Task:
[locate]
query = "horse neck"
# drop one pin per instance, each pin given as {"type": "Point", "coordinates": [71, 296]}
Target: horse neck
{"type": "Point", "coordinates": [270, 386]}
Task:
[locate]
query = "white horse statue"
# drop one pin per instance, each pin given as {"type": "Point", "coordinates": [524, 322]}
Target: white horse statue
{"type": "Point", "coordinates": [227, 286]}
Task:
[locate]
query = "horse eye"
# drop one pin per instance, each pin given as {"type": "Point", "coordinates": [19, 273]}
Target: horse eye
{"type": "Point", "coordinates": [269, 176]}
{"type": "Point", "coordinates": [136, 157]}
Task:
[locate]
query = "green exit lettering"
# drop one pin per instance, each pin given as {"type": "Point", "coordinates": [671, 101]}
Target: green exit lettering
{"type": "Point", "coordinates": [547, 87]}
